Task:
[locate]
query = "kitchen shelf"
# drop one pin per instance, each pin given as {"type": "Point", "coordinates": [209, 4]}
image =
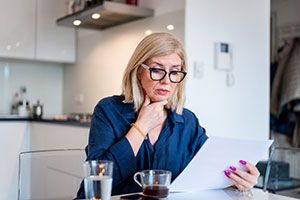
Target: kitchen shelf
{"type": "Point", "coordinates": [112, 14]}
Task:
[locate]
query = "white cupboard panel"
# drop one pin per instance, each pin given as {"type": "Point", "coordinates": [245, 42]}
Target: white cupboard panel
{"type": "Point", "coordinates": [54, 43]}
{"type": "Point", "coordinates": [23, 136]}
{"type": "Point", "coordinates": [17, 33]}
{"type": "Point", "coordinates": [15, 138]}
{"type": "Point", "coordinates": [56, 136]}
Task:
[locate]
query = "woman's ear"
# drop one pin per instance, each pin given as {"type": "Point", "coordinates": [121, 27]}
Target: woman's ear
{"type": "Point", "coordinates": [139, 75]}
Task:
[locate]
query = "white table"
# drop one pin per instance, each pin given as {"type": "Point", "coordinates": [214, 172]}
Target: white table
{"type": "Point", "coordinates": [222, 195]}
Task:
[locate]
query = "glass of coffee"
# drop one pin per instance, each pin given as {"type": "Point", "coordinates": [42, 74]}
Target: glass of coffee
{"type": "Point", "coordinates": [154, 183]}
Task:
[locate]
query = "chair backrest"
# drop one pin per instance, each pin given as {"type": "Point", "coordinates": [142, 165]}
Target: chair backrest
{"type": "Point", "coordinates": [50, 174]}
{"type": "Point", "coordinates": [283, 171]}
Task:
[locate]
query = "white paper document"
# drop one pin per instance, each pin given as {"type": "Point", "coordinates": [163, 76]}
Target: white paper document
{"type": "Point", "coordinates": [206, 170]}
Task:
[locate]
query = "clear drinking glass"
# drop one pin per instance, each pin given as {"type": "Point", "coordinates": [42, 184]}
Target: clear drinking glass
{"type": "Point", "coordinates": [98, 179]}
{"type": "Point", "coordinates": [154, 183]}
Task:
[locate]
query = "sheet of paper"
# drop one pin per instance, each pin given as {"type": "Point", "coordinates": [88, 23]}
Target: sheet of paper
{"type": "Point", "coordinates": [206, 170]}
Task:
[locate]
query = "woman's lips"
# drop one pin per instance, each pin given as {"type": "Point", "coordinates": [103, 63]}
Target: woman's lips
{"type": "Point", "coordinates": [162, 91]}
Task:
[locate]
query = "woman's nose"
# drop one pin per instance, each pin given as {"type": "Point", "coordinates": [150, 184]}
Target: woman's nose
{"type": "Point", "coordinates": [166, 79]}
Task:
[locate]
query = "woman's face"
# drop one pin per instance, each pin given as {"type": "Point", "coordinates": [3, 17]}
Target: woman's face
{"type": "Point", "coordinates": [163, 89]}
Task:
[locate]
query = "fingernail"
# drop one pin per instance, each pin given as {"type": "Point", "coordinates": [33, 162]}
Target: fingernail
{"type": "Point", "coordinates": [144, 91]}
{"type": "Point", "coordinates": [243, 162]}
{"type": "Point", "coordinates": [232, 168]}
{"type": "Point", "coordinates": [227, 173]}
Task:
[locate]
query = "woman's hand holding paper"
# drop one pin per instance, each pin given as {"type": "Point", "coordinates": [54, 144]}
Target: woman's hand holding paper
{"type": "Point", "coordinates": [244, 181]}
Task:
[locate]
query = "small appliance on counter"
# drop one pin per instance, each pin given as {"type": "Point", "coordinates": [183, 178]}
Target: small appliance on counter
{"type": "Point", "coordinates": [73, 117]}
{"type": "Point", "coordinates": [81, 117]}
{"type": "Point", "coordinates": [23, 108]}
{"type": "Point", "coordinates": [20, 106]}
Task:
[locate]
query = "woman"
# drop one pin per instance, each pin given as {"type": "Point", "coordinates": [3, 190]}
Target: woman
{"type": "Point", "coordinates": [147, 127]}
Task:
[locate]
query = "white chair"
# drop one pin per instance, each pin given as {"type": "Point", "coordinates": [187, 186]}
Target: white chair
{"type": "Point", "coordinates": [283, 172]}
{"type": "Point", "coordinates": [50, 174]}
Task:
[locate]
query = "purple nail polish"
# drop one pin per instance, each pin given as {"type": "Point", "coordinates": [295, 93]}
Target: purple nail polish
{"type": "Point", "coordinates": [227, 173]}
{"type": "Point", "coordinates": [232, 168]}
{"type": "Point", "coordinates": [243, 162]}
{"type": "Point", "coordinates": [144, 91]}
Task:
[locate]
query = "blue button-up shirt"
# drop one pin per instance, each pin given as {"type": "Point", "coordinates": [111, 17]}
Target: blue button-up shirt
{"type": "Point", "coordinates": [179, 141]}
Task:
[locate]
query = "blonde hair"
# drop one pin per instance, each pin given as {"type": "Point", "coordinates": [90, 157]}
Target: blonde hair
{"type": "Point", "coordinates": [156, 44]}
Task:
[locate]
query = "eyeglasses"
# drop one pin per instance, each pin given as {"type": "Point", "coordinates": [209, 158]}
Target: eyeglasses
{"type": "Point", "coordinates": [158, 74]}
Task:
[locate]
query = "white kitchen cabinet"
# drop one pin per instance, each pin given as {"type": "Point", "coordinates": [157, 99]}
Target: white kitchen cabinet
{"type": "Point", "coordinates": [20, 136]}
{"type": "Point", "coordinates": [15, 137]}
{"type": "Point", "coordinates": [17, 29]}
{"type": "Point", "coordinates": [56, 136]}
{"type": "Point", "coordinates": [53, 42]}
{"type": "Point", "coordinates": [28, 30]}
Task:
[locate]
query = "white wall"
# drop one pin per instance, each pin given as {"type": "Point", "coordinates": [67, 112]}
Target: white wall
{"type": "Point", "coordinates": [103, 56]}
{"type": "Point", "coordinates": [240, 111]}
{"type": "Point", "coordinates": [43, 81]}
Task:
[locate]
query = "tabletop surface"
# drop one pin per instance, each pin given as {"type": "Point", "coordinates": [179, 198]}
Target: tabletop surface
{"type": "Point", "coordinates": [222, 195]}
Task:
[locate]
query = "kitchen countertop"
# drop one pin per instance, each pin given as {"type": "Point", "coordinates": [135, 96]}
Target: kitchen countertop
{"type": "Point", "coordinates": [44, 120]}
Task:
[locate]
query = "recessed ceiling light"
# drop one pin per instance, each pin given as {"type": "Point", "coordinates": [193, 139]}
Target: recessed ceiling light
{"type": "Point", "coordinates": [148, 32]}
{"type": "Point", "coordinates": [170, 27]}
{"type": "Point", "coordinates": [77, 22]}
{"type": "Point", "coordinates": [96, 16]}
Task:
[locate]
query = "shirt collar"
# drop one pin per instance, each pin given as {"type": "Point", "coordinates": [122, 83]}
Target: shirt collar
{"type": "Point", "coordinates": [128, 111]}
{"type": "Point", "coordinates": [175, 118]}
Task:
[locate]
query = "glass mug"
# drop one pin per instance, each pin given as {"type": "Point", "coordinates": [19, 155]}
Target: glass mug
{"type": "Point", "coordinates": [98, 179]}
{"type": "Point", "coordinates": [154, 183]}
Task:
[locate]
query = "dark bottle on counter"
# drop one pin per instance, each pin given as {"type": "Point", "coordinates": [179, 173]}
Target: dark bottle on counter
{"type": "Point", "coordinates": [37, 112]}
{"type": "Point", "coordinates": [15, 104]}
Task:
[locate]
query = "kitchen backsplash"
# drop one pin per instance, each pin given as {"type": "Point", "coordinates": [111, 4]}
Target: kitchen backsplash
{"type": "Point", "coordinates": [43, 81]}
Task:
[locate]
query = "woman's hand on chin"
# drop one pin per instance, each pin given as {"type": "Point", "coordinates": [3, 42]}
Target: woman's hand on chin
{"type": "Point", "coordinates": [151, 115]}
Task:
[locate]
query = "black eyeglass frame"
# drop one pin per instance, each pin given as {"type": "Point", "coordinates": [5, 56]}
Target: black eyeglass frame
{"type": "Point", "coordinates": [162, 70]}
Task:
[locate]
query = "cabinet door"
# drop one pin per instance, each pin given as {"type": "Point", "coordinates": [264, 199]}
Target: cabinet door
{"type": "Point", "coordinates": [15, 138]}
{"type": "Point", "coordinates": [17, 30]}
{"type": "Point", "coordinates": [45, 136]}
{"type": "Point", "coordinates": [54, 43]}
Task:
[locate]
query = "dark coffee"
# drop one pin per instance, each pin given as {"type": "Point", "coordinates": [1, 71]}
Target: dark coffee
{"type": "Point", "coordinates": [156, 191]}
